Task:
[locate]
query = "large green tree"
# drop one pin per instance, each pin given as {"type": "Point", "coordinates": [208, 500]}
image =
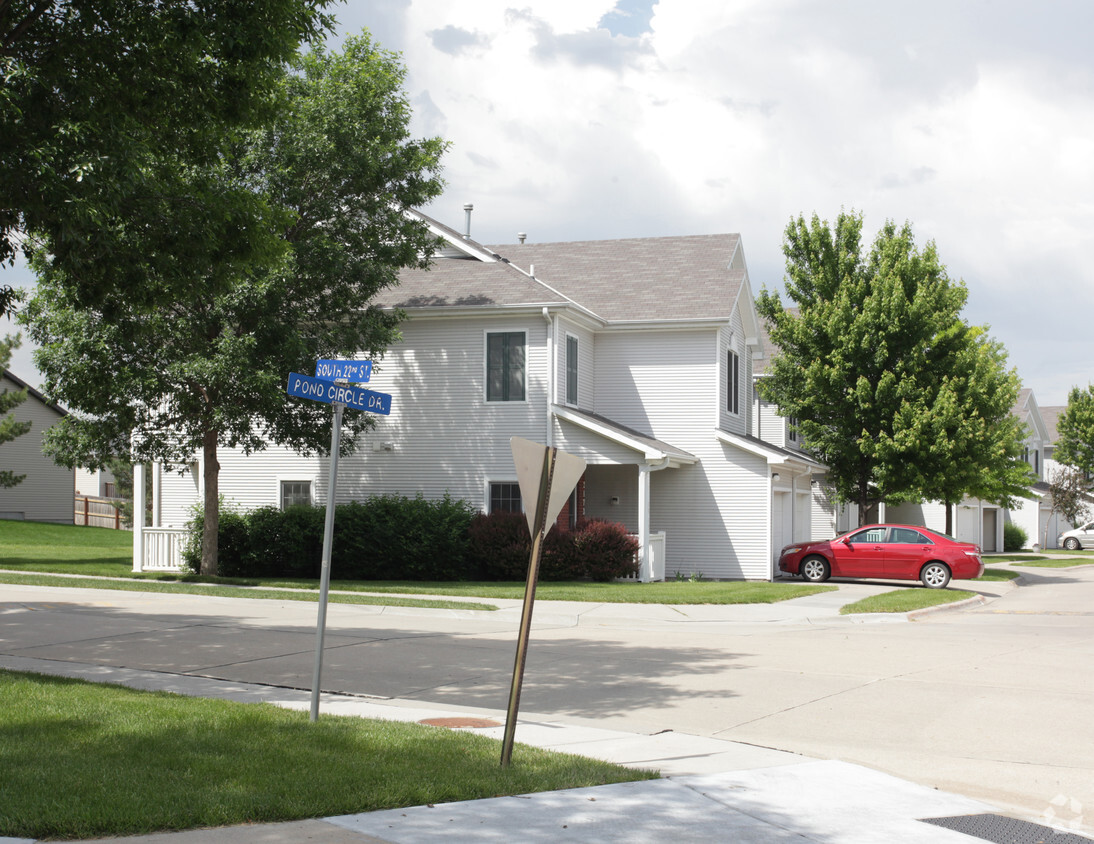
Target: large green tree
{"type": "Point", "coordinates": [891, 389]}
{"type": "Point", "coordinates": [1075, 429]}
{"type": "Point", "coordinates": [10, 427]}
{"type": "Point", "coordinates": [209, 368]}
{"type": "Point", "coordinates": [108, 111]}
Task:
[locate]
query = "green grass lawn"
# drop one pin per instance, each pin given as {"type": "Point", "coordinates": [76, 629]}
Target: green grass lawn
{"type": "Point", "coordinates": [80, 760]}
{"type": "Point", "coordinates": [1057, 563]}
{"type": "Point", "coordinates": [99, 552]}
{"type": "Point", "coordinates": [905, 600]}
{"type": "Point", "coordinates": [919, 597]}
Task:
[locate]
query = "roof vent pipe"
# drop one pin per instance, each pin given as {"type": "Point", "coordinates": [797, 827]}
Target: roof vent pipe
{"type": "Point", "coordinates": [521, 236]}
{"type": "Point", "coordinates": [468, 207]}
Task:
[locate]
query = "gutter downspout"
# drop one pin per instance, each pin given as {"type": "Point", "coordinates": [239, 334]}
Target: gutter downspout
{"type": "Point", "coordinates": [551, 329]}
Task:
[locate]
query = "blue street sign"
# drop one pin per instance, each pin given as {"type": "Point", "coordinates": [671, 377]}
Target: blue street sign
{"type": "Point", "coordinates": [354, 371]}
{"type": "Point", "coordinates": [328, 392]}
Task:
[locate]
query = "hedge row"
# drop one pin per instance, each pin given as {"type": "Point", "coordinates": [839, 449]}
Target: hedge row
{"type": "Point", "coordinates": [393, 537]}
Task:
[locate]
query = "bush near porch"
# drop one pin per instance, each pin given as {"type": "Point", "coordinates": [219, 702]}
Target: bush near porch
{"type": "Point", "coordinates": [393, 537]}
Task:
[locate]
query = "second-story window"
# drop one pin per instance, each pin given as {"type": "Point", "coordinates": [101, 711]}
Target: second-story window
{"type": "Point", "coordinates": [571, 369]}
{"type": "Point", "coordinates": [792, 429]}
{"type": "Point", "coordinates": [505, 366]}
{"type": "Point", "coordinates": [733, 383]}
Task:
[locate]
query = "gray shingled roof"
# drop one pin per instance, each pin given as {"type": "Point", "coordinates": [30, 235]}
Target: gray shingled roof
{"type": "Point", "coordinates": [461, 282]}
{"type": "Point", "coordinates": [675, 278]}
{"type": "Point", "coordinates": [1051, 416]}
{"type": "Point", "coordinates": [639, 278]}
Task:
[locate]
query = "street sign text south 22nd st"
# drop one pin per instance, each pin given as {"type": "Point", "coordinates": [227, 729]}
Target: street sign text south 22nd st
{"type": "Point", "coordinates": [358, 398]}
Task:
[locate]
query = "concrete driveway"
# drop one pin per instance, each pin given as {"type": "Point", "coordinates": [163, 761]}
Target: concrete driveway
{"type": "Point", "coordinates": [992, 701]}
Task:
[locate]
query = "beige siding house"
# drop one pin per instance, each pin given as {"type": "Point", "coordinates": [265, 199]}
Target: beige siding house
{"type": "Point", "coordinates": [46, 494]}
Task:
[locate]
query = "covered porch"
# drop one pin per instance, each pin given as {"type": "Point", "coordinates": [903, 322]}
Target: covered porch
{"type": "Point", "coordinates": [620, 462]}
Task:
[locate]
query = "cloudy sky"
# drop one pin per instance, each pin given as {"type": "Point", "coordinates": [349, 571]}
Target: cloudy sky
{"type": "Point", "coordinates": [591, 119]}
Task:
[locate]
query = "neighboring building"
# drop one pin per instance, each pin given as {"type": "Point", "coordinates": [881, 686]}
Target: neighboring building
{"type": "Point", "coordinates": [45, 495]}
{"type": "Point", "coordinates": [635, 355]}
{"type": "Point", "coordinates": [974, 520]}
{"type": "Point", "coordinates": [96, 483]}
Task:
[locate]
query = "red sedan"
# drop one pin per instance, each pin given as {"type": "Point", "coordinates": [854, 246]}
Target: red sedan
{"type": "Point", "coordinates": [897, 552]}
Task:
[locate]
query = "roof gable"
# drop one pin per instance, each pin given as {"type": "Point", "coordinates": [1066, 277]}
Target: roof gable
{"type": "Point", "coordinates": [657, 279]}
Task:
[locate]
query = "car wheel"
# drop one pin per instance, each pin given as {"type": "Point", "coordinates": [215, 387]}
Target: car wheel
{"type": "Point", "coordinates": [814, 569]}
{"type": "Point", "coordinates": [935, 576]}
{"type": "Point", "coordinates": [1071, 543]}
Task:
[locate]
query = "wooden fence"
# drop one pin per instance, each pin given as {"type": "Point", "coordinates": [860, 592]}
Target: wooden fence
{"type": "Point", "coordinates": [98, 512]}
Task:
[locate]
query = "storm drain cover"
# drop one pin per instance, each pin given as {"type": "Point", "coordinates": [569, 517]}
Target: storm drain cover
{"type": "Point", "coordinates": [1003, 830]}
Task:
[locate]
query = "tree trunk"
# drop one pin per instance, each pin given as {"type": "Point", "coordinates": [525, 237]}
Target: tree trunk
{"type": "Point", "coordinates": [211, 525]}
{"type": "Point", "coordinates": [949, 518]}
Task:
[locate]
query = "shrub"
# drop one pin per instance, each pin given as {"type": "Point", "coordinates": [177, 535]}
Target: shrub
{"type": "Point", "coordinates": [1014, 538]}
{"type": "Point", "coordinates": [386, 537]}
{"type": "Point", "coordinates": [604, 550]}
{"type": "Point", "coordinates": [499, 545]}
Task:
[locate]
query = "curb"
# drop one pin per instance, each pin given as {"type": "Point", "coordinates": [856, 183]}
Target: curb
{"type": "Point", "coordinates": [975, 600]}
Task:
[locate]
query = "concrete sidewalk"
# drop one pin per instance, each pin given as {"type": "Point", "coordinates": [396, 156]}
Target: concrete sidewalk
{"type": "Point", "coordinates": [712, 790]}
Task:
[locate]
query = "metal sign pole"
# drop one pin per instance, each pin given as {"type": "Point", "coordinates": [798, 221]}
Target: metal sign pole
{"type": "Point", "coordinates": [526, 614]}
{"type": "Point", "coordinates": [328, 541]}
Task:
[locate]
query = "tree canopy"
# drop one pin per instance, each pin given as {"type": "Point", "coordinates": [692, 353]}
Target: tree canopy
{"type": "Point", "coordinates": [107, 109]}
{"type": "Point", "coordinates": [891, 389]}
{"type": "Point", "coordinates": [208, 368]}
{"type": "Point", "coordinates": [1075, 427]}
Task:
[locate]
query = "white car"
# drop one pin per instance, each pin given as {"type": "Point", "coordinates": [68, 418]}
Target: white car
{"type": "Point", "coordinates": [1081, 537]}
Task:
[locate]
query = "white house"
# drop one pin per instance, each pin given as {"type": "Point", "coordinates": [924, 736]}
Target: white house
{"type": "Point", "coordinates": [45, 495]}
{"type": "Point", "coordinates": [635, 355]}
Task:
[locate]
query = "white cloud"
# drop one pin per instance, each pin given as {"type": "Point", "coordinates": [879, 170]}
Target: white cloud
{"type": "Point", "coordinates": [973, 120]}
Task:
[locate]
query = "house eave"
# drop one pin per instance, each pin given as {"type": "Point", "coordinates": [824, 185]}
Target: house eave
{"type": "Point", "coordinates": [771, 453]}
{"type": "Point", "coordinates": [649, 453]}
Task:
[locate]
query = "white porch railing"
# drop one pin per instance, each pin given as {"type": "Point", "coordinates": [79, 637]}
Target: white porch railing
{"type": "Point", "coordinates": [654, 569]}
{"type": "Point", "coordinates": [161, 549]}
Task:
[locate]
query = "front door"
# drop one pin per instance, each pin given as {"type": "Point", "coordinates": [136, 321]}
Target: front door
{"type": "Point", "coordinates": [987, 543]}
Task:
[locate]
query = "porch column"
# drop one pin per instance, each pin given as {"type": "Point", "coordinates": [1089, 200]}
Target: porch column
{"type": "Point", "coordinates": [138, 516]}
{"type": "Point", "coordinates": [157, 494]}
{"type": "Point", "coordinates": [645, 568]}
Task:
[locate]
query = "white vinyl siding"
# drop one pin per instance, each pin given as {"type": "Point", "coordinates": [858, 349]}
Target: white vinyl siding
{"type": "Point", "coordinates": [444, 435]}
{"type": "Point", "coordinates": [586, 376]}
{"type": "Point", "coordinates": [47, 492]}
{"type": "Point", "coordinates": [666, 384]}
{"type": "Point", "coordinates": [731, 339]}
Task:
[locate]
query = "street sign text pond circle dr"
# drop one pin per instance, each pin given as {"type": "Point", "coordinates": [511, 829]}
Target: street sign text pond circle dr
{"type": "Point", "coordinates": [328, 392]}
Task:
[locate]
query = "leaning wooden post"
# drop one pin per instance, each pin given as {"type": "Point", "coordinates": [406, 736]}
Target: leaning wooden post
{"type": "Point", "coordinates": [526, 614]}
{"type": "Point", "coordinates": [547, 476]}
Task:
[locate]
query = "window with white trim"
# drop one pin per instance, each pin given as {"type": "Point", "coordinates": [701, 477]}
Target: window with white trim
{"type": "Point", "coordinates": [733, 383]}
{"type": "Point", "coordinates": [505, 366]}
{"type": "Point", "coordinates": [505, 497]}
{"type": "Point", "coordinates": [571, 369]}
{"type": "Point", "coordinates": [294, 493]}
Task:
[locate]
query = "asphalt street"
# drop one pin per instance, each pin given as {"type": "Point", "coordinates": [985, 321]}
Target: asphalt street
{"type": "Point", "coordinates": [991, 701]}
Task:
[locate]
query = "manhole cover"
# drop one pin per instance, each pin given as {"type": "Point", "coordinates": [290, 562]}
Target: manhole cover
{"type": "Point", "coordinates": [456, 723]}
{"type": "Point", "coordinates": [1000, 829]}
